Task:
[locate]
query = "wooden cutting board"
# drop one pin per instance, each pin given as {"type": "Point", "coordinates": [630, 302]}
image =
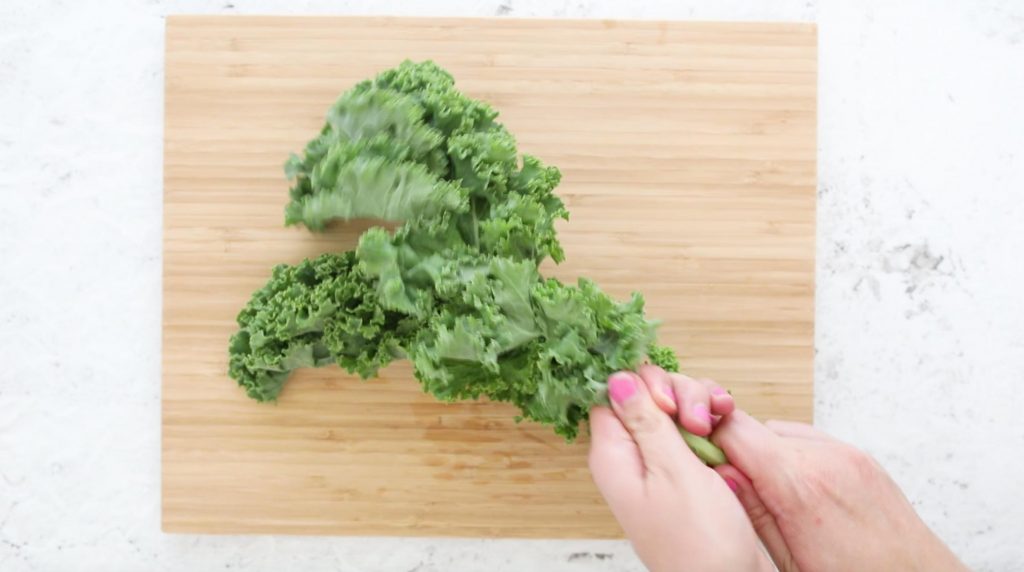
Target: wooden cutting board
{"type": "Point", "coordinates": [688, 154]}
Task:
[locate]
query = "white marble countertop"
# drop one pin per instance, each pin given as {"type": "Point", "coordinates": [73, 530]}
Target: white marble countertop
{"type": "Point", "coordinates": [920, 319]}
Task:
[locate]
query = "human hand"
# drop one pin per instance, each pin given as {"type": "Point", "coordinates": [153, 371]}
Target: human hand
{"type": "Point", "coordinates": [678, 514]}
{"type": "Point", "coordinates": [820, 504]}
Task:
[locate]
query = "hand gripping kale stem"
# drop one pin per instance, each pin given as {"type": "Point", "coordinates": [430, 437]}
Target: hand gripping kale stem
{"type": "Point", "coordinates": [455, 288]}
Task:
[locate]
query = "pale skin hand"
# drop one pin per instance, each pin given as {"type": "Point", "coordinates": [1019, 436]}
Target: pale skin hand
{"type": "Point", "coordinates": [820, 504]}
{"type": "Point", "coordinates": [816, 503]}
{"type": "Point", "coordinates": [678, 513]}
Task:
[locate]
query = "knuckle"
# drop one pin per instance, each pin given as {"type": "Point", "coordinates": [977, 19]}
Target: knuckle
{"type": "Point", "coordinates": [650, 370]}
{"type": "Point", "coordinates": [861, 464]}
{"type": "Point", "coordinates": [643, 421]}
{"type": "Point", "coordinates": [820, 480]}
{"type": "Point", "coordinates": [771, 457]}
{"type": "Point", "coordinates": [759, 516]}
{"type": "Point", "coordinates": [679, 379]}
{"type": "Point", "coordinates": [810, 480]}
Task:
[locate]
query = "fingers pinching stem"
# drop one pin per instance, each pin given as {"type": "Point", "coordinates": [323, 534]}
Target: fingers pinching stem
{"type": "Point", "coordinates": [661, 387]}
{"type": "Point", "coordinates": [641, 401]}
{"type": "Point", "coordinates": [650, 428]}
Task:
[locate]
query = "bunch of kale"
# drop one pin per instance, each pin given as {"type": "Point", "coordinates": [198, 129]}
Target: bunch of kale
{"type": "Point", "coordinates": [455, 288]}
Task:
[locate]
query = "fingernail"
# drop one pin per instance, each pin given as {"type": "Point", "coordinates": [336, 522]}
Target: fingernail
{"type": "Point", "coordinates": [667, 390]}
{"type": "Point", "coordinates": [621, 386]}
{"type": "Point", "coordinates": [718, 391]}
{"type": "Point", "coordinates": [732, 485]}
{"type": "Point", "coordinates": [701, 411]}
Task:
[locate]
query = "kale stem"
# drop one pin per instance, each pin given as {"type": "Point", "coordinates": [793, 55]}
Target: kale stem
{"type": "Point", "coordinates": [704, 448]}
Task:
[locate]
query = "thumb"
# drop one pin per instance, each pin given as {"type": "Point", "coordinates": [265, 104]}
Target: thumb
{"type": "Point", "coordinates": [761, 518]}
{"type": "Point", "coordinates": [750, 446]}
{"type": "Point", "coordinates": [661, 447]}
{"type": "Point", "coordinates": [614, 459]}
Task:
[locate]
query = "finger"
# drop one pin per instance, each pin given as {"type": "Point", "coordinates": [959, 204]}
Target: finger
{"type": "Point", "coordinates": [750, 446]}
{"type": "Point", "coordinates": [796, 430]}
{"type": "Point", "coordinates": [722, 403]}
{"type": "Point", "coordinates": [661, 447]}
{"type": "Point", "coordinates": [614, 460]}
{"type": "Point", "coordinates": [659, 384]}
{"type": "Point", "coordinates": [694, 405]}
{"type": "Point", "coordinates": [764, 522]}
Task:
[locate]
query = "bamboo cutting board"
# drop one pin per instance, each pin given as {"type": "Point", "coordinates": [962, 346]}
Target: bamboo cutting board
{"type": "Point", "coordinates": [688, 155]}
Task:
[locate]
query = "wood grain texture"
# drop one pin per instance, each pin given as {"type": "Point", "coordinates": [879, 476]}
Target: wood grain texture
{"type": "Point", "coordinates": [688, 155]}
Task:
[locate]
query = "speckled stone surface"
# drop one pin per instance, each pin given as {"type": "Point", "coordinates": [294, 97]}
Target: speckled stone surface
{"type": "Point", "coordinates": [920, 318]}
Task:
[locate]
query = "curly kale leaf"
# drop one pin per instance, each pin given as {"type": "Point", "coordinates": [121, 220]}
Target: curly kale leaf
{"type": "Point", "coordinates": [317, 312]}
{"type": "Point", "coordinates": [499, 330]}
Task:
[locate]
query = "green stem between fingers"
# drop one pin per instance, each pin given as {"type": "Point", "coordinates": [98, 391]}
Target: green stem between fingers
{"type": "Point", "coordinates": [704, 448]}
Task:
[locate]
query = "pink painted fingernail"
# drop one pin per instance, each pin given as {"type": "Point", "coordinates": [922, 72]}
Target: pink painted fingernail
{"type": "Point", "coordinates": [701, 411]}
{"type": "Point", "coordinates": [718, 391]}
{"type": "Point", "coordinates": [621, 386]}
{"type": "Point", "coordinates": [732, 485]}
{"type": "Point", "coordinates": [667, 390]}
